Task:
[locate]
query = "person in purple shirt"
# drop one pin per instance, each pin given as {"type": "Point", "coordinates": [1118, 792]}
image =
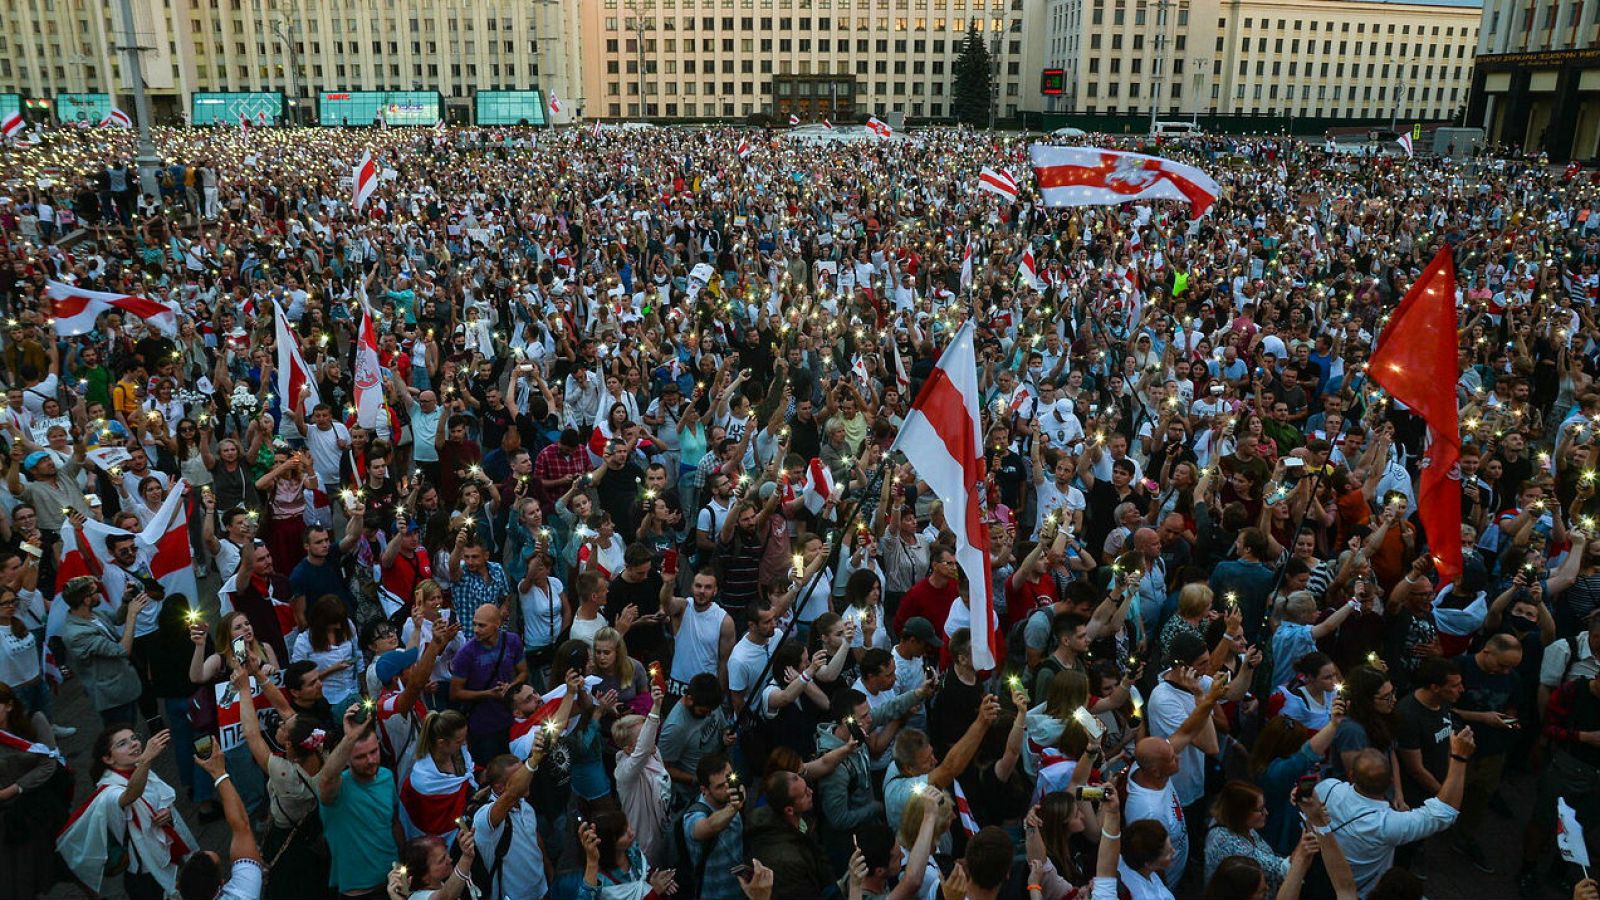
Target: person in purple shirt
{"type": "Point", "coordinates": [482, 671]}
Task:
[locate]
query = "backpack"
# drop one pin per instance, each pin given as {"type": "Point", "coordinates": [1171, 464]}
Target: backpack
{"type": "Point", "coordinates": [484, 877]}
{"type": "Point", "coordinates": [1572, 658]}
{"type": "Point", "coordinates": [689, 882]}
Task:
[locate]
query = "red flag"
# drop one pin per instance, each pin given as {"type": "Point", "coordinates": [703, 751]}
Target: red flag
{"type": "Point", "coordinates": [1416, 363]}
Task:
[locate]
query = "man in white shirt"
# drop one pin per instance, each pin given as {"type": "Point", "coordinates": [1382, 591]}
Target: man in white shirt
{"type": "Point", "coordinates": [749, 658]}
{"type": "Point", "coordinates": [506, 829]}
{"type": "Point", "coordinates": [1368, 827]}
{"type": "Point", "coordinates": [326, 439]}
{"type": "Point", "coordinates": [1152, 792]}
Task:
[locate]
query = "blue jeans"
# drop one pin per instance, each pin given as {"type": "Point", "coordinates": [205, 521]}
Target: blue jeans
{"type": "Point", "coordinates": [176, 711]}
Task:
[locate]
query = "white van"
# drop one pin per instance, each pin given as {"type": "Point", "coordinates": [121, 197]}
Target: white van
{"type": "Point", "coordinates": [1176, 129]}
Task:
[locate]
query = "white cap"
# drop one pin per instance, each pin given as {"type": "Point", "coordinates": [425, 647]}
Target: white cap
{"type": "Point", "coordinates": [1063, 408]}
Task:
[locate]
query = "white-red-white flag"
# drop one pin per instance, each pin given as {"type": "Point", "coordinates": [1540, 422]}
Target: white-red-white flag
{"type": "Point", "coordinates": [293, 373]}
{"type": "Point", "coordinates": [858, 368]}
{"type": "Point", "coordinates": [261, 118]}
{"type": "Point", "coordinates": [116, 119]}
{"type": "Point", "coordinates": [942, 438]}
{"type": "Point", "coordinates": [555, 104]}
{"type": "Point", "coordinates": [1090, 176]}
{"type": "Point", "coordinates": [1404, 140]}
{"type": "Point", "coordinates": [902, 381]}
{"type": "Point", "coordinates": [794, 119]}
{"type": "Point", "coordinates": [745, 149]}
{"type": "Point", "coordinates": [172, 560]}
{"type": "Point", "coordinates": [827, 124]}
{"type": "Point", "coordinates": [1029, 271]}
{"type": "Point", "coordinates": [966, 267]}
{"type": "Point", "coordinates": [368, 374]}
{"type": "Point", "coordinates": [879, 127]}
{"type": "Point", "coordinates": [998, 181]}
{"type": "Point", "coordinates": [819, 486]}
{"type": "Point", "coordinates": [366, 179]}
{"type": "Point", "coordinates": [76, 309]}
{"type": "Point", "coordinates": [12, 125]}
{"type": "Point", "coordinates": [244, 125]}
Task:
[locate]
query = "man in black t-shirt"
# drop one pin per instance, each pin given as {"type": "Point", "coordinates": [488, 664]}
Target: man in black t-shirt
{"type": "Point", "coordinates": [640, 587]}
{"type": "Point", "coordinates": [1423, 725]}
{"type": "Point", "coordinates": [617, 482]}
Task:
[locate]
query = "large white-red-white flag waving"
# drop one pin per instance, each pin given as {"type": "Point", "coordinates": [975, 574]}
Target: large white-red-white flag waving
{"type": "Point", "coordinates": [555, 104]}
{"type": "Point", "coordinates": [998, 181]}
{"type": "Point", "coordinates": [366, 179]}
{"type": "Point", "coordinates": [75, 309]}
{"type": "Point", "coordinates": [368, 374]}
{"type": "Point", "coordinates": [879, 127]}
{"type": "Point", "coordinates": [293, 373]}
{"type": "Point", "coordinates": [1090, 176]}
{"type": "Point", "coordinates": [942, 439]}
{"type": "Point", "coordinates": [12, 125]}
{"type": "Point", "coordinates": [116, 119]}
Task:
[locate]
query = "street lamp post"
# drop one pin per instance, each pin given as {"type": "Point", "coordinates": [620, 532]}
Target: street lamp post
{"type": "Point", "coordinates": [132, 70]}
{"type": "Point", "coordinates": [639, 29]}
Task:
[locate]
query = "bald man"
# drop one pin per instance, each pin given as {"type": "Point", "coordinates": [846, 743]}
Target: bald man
{"type": "Point", "coordinates": [1151, 793]}
{"type": "Point", "coordinates": [1153, 594]}
{"type": "Point", "coordinates": [1369, 827]}
{"type": "Point", "coordinates": [481, 673]}
{"type": "Point", "coordinates": [1490, 690]}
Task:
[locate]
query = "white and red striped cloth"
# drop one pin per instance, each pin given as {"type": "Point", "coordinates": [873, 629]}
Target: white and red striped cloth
{"type": "Point", "coordinates": [365, 182]}
{"type": "Point", "coordinates": [12, 125]}
{"type": "Point", "coordinates": [116, 119]}
{"type": "Point", "coordinates": [293, 373]}
{"type": "Point", "coordinates": [1090, 176]}
{"type": "Point", "coordinates": [942, 438]}
{"type": "Point", "coordinates": [819, 485]}
{"type": "Point", "coordinates": [998, 181]}
{"type": "Point", "coordinates": [431, 800]}
{"type": "Point", "coordinates": [75, 309]}
{"type": "Point", "coordinates": [879, 127]}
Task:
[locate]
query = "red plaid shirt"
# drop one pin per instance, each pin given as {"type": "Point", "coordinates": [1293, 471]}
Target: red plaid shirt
{"type": "Point", "coordinates": [554, 462]}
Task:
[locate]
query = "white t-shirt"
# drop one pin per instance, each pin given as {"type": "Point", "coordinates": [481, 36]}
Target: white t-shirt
{"type": "Point", "coordinates": [746, 662]}
{"type": "Point", "coordinates": [336, 686]}
{"type": "Point", "coordinates": [541, 615]}
{"type": "Point", "coordinates": [1161, 806]}
{"type": "Point", "coordinates": [522, 872]}
{"type": "Point", "coordinates": [325, 452]}
{"type": "Point", "coordinates": [33, 398]}
{"type": "Point", "coordinates": [245, 881]}
{"type": "Point", "coordinates": [1169, 706]}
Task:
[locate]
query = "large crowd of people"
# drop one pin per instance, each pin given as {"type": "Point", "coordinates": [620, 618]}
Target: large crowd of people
{"type": "Point", "coordinates": [624, 594]}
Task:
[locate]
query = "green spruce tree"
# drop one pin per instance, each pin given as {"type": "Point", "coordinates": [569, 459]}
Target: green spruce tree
{"type": "Point", "coordinates": [974, 82]}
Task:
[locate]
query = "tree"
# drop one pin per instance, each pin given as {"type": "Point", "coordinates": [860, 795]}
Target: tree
{"type": "Point", "coordinates": [974, 82]}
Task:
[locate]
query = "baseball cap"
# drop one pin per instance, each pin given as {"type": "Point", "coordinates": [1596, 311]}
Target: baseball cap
{"type": "Point", "coordinates": [922, 630]}
{"type": "Point", "coordinates": [34, 458]}
{"type": "Point", "coordinates": [391, 664]}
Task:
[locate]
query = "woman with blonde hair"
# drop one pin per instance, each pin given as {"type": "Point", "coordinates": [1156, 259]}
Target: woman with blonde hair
{"type": "Point", "coordinates": [1194, 612]}
{"type": "Point", "coordinates": [620, 672]}
{"type": "Point", "coordinates": [233, 630]}
{"type": "Point", "coordinates": [428, 608]}
{"type": "Point", "coordinates": [927, 815]}
{"type": "Point", "coordinates": [434, 793]}
{"type": "Point", "coordinates": [641, 777]}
